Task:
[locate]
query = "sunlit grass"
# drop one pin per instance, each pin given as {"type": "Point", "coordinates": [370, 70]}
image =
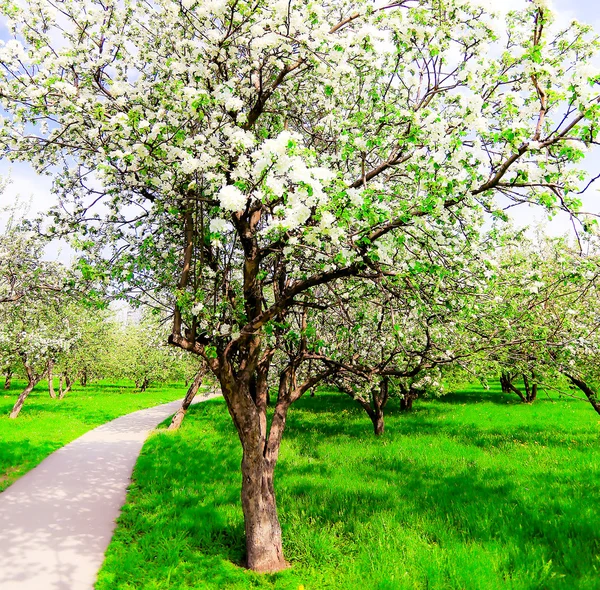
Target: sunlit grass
{"type": "Point", "coordinates": [473, 491]}
{"type": "Point", "coordinates": [46, 424]}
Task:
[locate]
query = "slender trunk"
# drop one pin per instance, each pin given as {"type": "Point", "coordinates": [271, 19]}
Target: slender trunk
{"type": "Point", "coordinates": [378, 424]}
{"type": "Point", "coordinates": [8, 379]}
{"type": "Point", "coordinates": [373, 408]}
{"type": "Point", "coordinates": [68, 385]}
{"type": "Point", "coordinates": [144, 385]}
{"type": "Point", "coordinates": [592, 396]}
{"type": "Point", "coordinates": [534, 389]}
{"type": "Point", "coordinates": [264, 550]}
{"type": "Point", "coordinates": [510, 386]}
{"type": "Point", "coordinates": [84, 378]}
{"type": "Point", "coordinates": [50, 375]}
{"type": "Point", "coordinates": [32, 381]}
{"type": "Point", "coordinates": [187, 400]}
{"type": "Point", "coordinates": [527, 387]}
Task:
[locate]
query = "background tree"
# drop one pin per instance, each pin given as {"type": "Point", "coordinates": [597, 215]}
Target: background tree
{"type": "Point", "coordinates": [548, 292]}
{"type": "Point", "coordinates": [35, 330]}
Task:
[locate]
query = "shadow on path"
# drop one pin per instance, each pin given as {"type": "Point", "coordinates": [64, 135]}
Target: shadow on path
{"type": "Point", "coordinates": [57, 520]}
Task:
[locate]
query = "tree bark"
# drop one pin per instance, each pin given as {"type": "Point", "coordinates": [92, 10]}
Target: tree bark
{"type": "Point", "coordinates": [506, 381]}
{"type": "Point", "coordinates": [373, 408]}
{"type": "Point", "coordinates": [409, 395]}
{"type": "Point", "coordinates": [32, 381]}
{"type": "Point", "coordinates": [144, 385]}
{"type": "Point", "coordinates": [84, 378]}
{"type": "Point", "coordinates": [380, 399]}
{"type": "Point", "coordinates": [187, 400]}
{"type": "Point", "coordinates": [264, 550]}
{"type": "Point", "coordinates": [8, 379]}
{"type": "Point", "coordinates": [406, 403]}
{"type": "Point", "coordinates": [530, 389]}
{"type": "Point", "coordinates": [592, 396]}
{"type": "Point", "coordinates": [68, 384]}
{"type": "Point", "coordinates": [50, 375]}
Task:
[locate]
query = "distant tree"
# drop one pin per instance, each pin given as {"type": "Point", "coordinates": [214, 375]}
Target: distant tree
{"type": "Point", "coordinates": [145, 356]}
{"type": "Point", "coordinates": [35, 330]}
{"type": "Point", "coordinates": [548, 292]}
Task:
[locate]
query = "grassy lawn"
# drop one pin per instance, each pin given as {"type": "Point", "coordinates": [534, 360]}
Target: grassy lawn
{"type": "Point", "coordinates": [473, 491]}
{"type": "Point", "coordinates": [45, 424]}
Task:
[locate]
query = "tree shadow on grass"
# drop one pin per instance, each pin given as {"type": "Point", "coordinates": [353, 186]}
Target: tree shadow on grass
{"type": "Point", "coordinates": [184, 516]}
{"type": "Point", "coordinates": [348, 420]}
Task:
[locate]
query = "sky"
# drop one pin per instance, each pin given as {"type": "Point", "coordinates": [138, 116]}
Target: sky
{"type": "Point", "coordinates": [35, 190]}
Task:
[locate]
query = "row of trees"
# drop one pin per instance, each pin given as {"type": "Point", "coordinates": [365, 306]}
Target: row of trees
{"type": "Point", "coordinates": [50, 326]}
{"type": "Point", "coordinates": [303, 189]}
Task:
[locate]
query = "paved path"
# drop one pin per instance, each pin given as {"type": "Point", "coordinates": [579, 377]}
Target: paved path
{"type": "Point", "coordinates": [57, 520]}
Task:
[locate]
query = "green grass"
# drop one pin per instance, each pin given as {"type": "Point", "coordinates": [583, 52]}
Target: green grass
{"type": "Point", "coordinates": [45, 424]}
{"type": "Point", "coordinates": [473, 491]}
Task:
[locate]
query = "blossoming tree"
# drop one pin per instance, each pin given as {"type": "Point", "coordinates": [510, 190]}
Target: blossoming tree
{"type": "Point", "coordinates": [34, 316]}
{"type": "Point", "coordinates": [236, 158]}
{"type": "Point", "coordinates": [547, 292]}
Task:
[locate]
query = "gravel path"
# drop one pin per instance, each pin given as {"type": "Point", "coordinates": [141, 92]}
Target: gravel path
{"type": "Point", "coordinates": [56, 520]}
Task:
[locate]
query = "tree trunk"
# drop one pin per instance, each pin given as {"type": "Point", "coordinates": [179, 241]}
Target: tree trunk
{"type": "Point", "coordinates": [68, 384]}
{"type": "Point", "coordinates": [508, 386]}
{"type": "Point", "coordinates": [50, 375]}
{"type": "Point", "coordinates": [8, 379]}
{"type": "Point", "coordinates": [32, 381]}
{"type": "Point", "coordinates": [84, 378]}
{"type": "Point", "coordinates": [533, 393]}
{"type": "Point", "coordinates": [406, 403]}
{"type": "Point", "coordinates": [504, 381]}
{"type": "Point", "coordinates": [592, 396]}
{"type": "Point", "coordinates": [378, 424]}
{"type": "Point", "coordinates": [380, 399]}
{"type": "Point", "coordinates": [409, 395]}
{"type": "Point", "coordinates": [530, 389]}
{"type": "Point", "coordinates": [187, 400]}
{"type": "Point", "coordinates": [263, 532]}
{"type": "Point", "coordinates": [144, 385]}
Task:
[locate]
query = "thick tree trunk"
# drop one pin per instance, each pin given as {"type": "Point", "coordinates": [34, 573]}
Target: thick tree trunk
{"type": "Point", "coordinates": [187, 400]}
{"type": "Point", "coordinates": [8, 379]}
{"type": "Point", "coordinates": [378, 424]}
{"type": "Point", "coordinates": [263, 532]}
{"type": "Point", "coordinates": [50, 375]}
{"type": "Point", "coordinates": [144, 385]}
{"type": "Point", "coordinates": [505, 382]}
